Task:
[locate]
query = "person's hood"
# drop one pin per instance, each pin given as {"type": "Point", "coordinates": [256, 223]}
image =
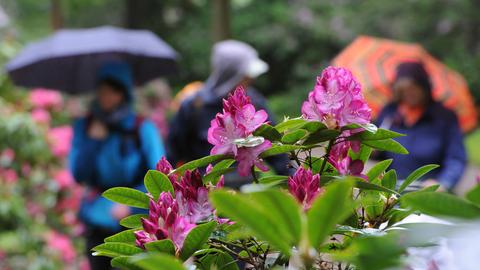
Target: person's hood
{"type": "Point", "coordinates": [119, 72]}
{"type": "Point", "coordinates": [231, 61]}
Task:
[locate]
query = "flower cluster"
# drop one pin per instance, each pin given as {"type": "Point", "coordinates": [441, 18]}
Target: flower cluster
{"type": "Point", "coordinates": [339, 158]}
{"type": "Point", "coordinates": [164, 222]}
{"type": "Point", "coordinates": [336, 100]}
{"type": "Point", "coordinates": [231, 132]}
{"type": "Point", "coordinates": [304, 186]}
{"type": "Point", "coordinates": [173, 217]}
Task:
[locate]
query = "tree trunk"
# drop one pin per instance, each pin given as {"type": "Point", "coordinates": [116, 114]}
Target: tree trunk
{"type": "Point", "coordinates": [221, 20]}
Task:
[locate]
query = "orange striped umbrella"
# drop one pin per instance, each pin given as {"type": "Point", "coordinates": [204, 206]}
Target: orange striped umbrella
{"type": "Point", "coordinates": [374, 60]}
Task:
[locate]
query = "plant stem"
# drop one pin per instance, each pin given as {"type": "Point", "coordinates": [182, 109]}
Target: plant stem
{"type": "Point", "coordinates": [325, 157]}
{"type": "Point", "coordinates": [255, 179]}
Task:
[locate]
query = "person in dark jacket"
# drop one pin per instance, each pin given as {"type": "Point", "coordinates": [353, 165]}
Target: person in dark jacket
{"type": "Point", "coordinates": [112, 146]}
{"type": "Point", "coordinates": [433, 135]}
{"type": "Point", "coordinates": [234, 63]}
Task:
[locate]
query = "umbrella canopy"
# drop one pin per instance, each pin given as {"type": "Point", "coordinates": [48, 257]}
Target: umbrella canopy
{"type": "Point", "coordinates": [68, 60]}
{"type": "Point", "coordinates": [374, 61]}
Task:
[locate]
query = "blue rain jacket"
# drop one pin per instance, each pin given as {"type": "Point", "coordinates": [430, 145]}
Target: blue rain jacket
{"type": "Point", "coordinates": [118, 160]}
{"type": "Point", "coordinates": [435, 139]}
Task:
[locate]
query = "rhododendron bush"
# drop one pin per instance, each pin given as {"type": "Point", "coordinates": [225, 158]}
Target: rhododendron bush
{"type": "Point", "coordinates": [330, 213]}
{"type": "Point", "coordinates": [39, 228]}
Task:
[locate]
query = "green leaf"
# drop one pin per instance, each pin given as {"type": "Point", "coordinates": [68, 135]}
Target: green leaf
{"type": "Point", "coordinates": [397, 215]}
{"type": "Point", "coordinates": [279, 149]}
{"type": "Point", "coordinates": [198, 163]}
{"type": "Point", "coordinates": [268, 132]}
{"type": "Point", "coordinates": [363, 154]}
{"type": "Point", "coordinates": [196, 238]}
{"type": "Point", "coordinates": [431, 188]}
{"type": "Point", "coordinates": [114, 249]}
{"type": "Point", "coordinates": [329, 209]}
{"type": "Point", "coordinates": [273, 179]}
{"type": "Point", "coordinates": [260, 219]}
{"type": "Point", "coordinates": [123, 237]}
{"type": "Point", "coordinates": [381, 134]}
{"type": "Point", "coordinates": [123, 262]}
{"type": "Point", "coordinates": [387, 145]}
{"type": "Point", "coordinates": [156, 183]}
{"type": "Point", "coordinates": [218, 260]}
{"type": "Point", "coordinates": [389, 180]}
{"type": "Point", "coordinates": [290, 124]}
{"type": "Point", "coordinates": [415, 175]}
{"type": "Point", "coordinates": [294, 136]}
{"type": "Point", "coordinates": [321, 135]}
{"type": "Point", "coordinates": [473, 195]}
{"type": "Point", "coordinates": [313, 126]}
{"type": "Point", "coordinates": [378, 169]}
{"type": "Point", "coordinates": [215, 175]}
{"type": "Point", "coordinates": [127, 196]}
{"type": "Point", "coordinates": [157, 261]}
{"type": "Point", "coordinates": [164, 246]}
{"type": "Point", "coordinates": [362, 184]}
{"type": "Point", "coordinates": [133, 221]}
{"type": "Point", "coordinates": [441, 204]}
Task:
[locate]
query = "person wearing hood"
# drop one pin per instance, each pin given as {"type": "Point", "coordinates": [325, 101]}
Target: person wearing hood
{"type": "Point", "coordinates": [433, 135]}
{"type": "Point", "coordinates": [233, 63]}
{"type": "Point", "coordinates": [112, 146]}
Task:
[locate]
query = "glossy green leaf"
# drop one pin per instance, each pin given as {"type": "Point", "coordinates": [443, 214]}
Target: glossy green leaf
{"type": "Point", "coordinates": [473, 195]}
{"type": "Point", "coordinates": [380, 134]}
{"type": "Point", "coordinates": [123, 262]}
{"type": "Point", "coordinates": [123, 237]}
{"type": "Point", "coordinates": [261, 220]}
{"type": "Point", "coordinates": [114, 249]}
{"type": "Point", "coordinates": [127, 196]}
{"type": "Point", "coordinates": [290, 124]}
{"type": "Point", "coordinates": [378, 169]}
{"type": "Point", "coordinates": [321, 135]}
{"type": "Point", "coordinates": [294, 136]}
{"type": "Point", "coordinates": [415, 175]}
{"type": "Point", "coordinates": [313, 126]}
{"type": "Point", "coordinates": [273, 179]}
{"type": "Point", "coordinates": [389, 180]}
{"type": "Point", "coordinates": [268, 132]}
{"type": "Point", "coordinates": [363, 185]}
{"type": "Point", "coordinates": [133, 221]}
{"type": "Point", "coordinates": [196, 238]}
{"type": "Point", "coordinates": [198, 163]}
{"type": "Point", "coordinates": [363, 154]}
{"type": "Point", "coordinates": [441, 204]}
{"type": "Point", "coordinates": [218, 260]}
{"type": "Point", "coordinates": [279, 149]}
{"type": "Point", "coordinates": [156, 183]}
{"type": "Point", "coordinates": [157, 261]}
{"type": "Point", "coordinates": [431, 188]}
{"type": "Point", "coordinates": [329, 209]}
{"type": "Point", "coordinates": [164, 246]}
{"type": "Point", "coordinates": [387, 145]}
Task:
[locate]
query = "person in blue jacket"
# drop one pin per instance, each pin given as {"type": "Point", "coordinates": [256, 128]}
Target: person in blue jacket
{"type": "Point", "coordinates": [112, 147]}
{"type": "Point", "coordinates": [433, 135]}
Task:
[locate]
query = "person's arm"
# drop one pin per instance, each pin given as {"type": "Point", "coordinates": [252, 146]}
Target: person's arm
{"type": "Point", "coordinates": [82, 161]}
{"type": "Point", "coordinates": [152, 145]}
{"type": "Point", "coordinates": [455, 158]}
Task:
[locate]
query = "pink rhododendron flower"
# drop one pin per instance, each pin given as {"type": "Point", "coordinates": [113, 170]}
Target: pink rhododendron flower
{"type": "Point", "coordinates": [231, 132]}
{"type": "Point", "coordinates": [63, 178]}
{"type": "Point", "coordinates": [9, 175]}
{"type": "Point", "coordinates": [61, 244]}
{"type": "Point", "coordinates": [41, 116]}
{"type": "Point", "coordinates": [336, 100]}
{"type": "Point", "coordinates": [45, 98]}
{"type": "Point", "coordinates": [338, 156]}
{"type": "Point", "coordinates": [248, 157]}
{"type": "Point", "coordinates": [304, 186]}
{"type": "Point", "coordinates": [166, 168]}
{"type": "Point", "coordinates": [60, 140]}
{"type": "Point", "coordinates": [164, 221]}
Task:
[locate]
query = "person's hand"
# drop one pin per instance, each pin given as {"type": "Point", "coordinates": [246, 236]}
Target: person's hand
{"type": "Point", "coordinates": [120, 211]}
{"type": "Point", "coordinates": [432, 182]}
{"type": "Point", "coordinates": [97, 130]}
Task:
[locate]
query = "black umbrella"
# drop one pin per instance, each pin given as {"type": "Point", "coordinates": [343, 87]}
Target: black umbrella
{"type": "Point", "coordinates": [68, 59]}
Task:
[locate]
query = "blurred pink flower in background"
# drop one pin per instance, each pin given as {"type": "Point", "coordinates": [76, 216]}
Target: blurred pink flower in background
{"type": "Point", "coordinates": [60, 140]}
{"type": "Point", "coordinates": [34, 208]}
{"type": "Point", "coordinates": [61, 243]}
{"type": "Point", "coordinates": [41, 116]}
{"type": "Point", "coordinates": [10, 176]}
{"type": "Point", "coordinates": [7, 156]}
{"type": "Point", "coordinates": [63, 178]}
{"type": "Point", "coordinates": [336, 100]}
{"type": "Point", "coordinates": [45, 98]}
